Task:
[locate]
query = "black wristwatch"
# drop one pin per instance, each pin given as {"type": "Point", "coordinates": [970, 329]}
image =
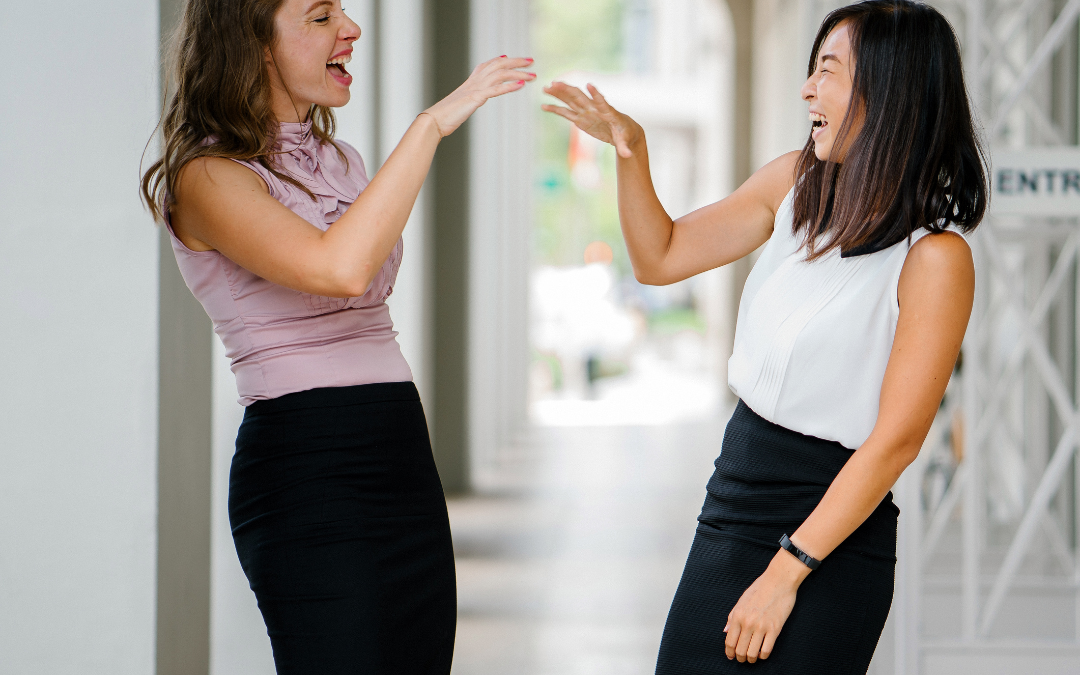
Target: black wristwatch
{"type": "Point", "coordinates": [812, 563]}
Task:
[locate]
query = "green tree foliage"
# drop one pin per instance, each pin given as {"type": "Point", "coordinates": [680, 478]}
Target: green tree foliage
{"type": "Point", "coordinates": [574, 35]}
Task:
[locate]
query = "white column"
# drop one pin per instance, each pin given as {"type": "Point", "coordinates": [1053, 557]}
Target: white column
{"type": "Point", "coordinates": [500, 228]}
{"type": "Point", "coordinates": [402, 92]}
{"type": "Point", "coordinates": [78, 340]}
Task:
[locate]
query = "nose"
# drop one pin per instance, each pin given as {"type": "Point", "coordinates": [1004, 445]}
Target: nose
{"type": "Point", "coordinates": [809, 89]}
{"type": "Point", "coordinates": [350, 32]}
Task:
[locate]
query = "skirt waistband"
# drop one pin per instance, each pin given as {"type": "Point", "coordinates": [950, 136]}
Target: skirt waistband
{"type": "Point", "coordinates": [770, 474]}
{"type": "Point", "coordinates": [332, 397]}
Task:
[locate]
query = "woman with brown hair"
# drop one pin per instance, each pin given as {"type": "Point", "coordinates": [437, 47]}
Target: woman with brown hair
{"type": "Point", "coordinates": [336, 508]}
{"type": "Point", "coordinates": [848, 329]}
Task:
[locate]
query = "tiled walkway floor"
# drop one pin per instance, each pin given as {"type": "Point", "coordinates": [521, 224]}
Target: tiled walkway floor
{"type": "Point", "coordinates": [568, 559]}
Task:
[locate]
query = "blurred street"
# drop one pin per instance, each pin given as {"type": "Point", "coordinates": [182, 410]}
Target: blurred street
{"type": "Point", "coordinates": [568, 558]}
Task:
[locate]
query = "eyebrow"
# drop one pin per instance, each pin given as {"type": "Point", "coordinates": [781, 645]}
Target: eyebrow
{"type": "Point", "coordinates": [320, 3]}
{"type": "Point", "coordinates": [828, 57]}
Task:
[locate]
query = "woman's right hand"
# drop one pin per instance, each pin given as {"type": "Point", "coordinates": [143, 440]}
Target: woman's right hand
{"type": "Point", "coordinates": [595, 116]}
{"type": "Point", "coordinates": [489, 80]}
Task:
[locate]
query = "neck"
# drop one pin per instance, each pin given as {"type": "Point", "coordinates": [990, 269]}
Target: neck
{"type": "Point", "coordinates": [285, 111]}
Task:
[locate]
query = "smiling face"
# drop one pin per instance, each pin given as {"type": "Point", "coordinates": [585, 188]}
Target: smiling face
{"type": "Point", "coordinates": [828, 91]}
{"type": "Point", "coordinates": [312, 43]}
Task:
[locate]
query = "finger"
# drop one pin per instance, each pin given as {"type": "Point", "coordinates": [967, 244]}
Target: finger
{"type": "Point", "coordinates": [744, 644]}
{"type": "Point", "coordinates": [500, 76]}
{"type": "Point", "coordinates": [563, 92]}
{"type": "Point", "coordinates": [570, 95]}
{"type": "Point", "coordinates": [503, 89]}
{"type": "Point", "coordinates": [581, 100]}
{"type": "Point", "coordinates": [732, 639]}
{"type": "Point", "coordinates": [767, 644]}
{"type": "Point", "coordinates": [566, 113]}
{"type": "Point", "coordinates": [505, 62]}
{"type": "Point", "coordinates": [754, 649]}
{"type": "Point", "coordinates": [517, 62]}
{"type": "Point", "coordinates": [599, 101]}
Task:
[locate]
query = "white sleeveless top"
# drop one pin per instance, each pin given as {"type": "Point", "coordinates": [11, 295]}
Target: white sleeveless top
{"type": "Point", "coordinates": [813, 338]}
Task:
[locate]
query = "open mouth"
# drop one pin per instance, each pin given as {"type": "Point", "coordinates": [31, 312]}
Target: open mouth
{"type": "Point", "coordinates": [336, 68]}
{"type": "Point", "coordinates": [818, 121]}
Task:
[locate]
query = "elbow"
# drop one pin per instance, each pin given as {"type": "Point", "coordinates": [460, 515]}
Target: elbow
{"type": "Point", "coordinates": [903, 454]}
{"type": "Point", "coordinates": [906, 455]}
{"type": "Point", "coordinates": [358, 287]}
{"type": "Point", "coordinates": [353, 282]}
{"type": "Point", "coordinates": [649, 277]}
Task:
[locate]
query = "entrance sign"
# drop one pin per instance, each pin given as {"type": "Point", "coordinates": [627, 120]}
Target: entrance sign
{"type": "Point", "coordinates": [1036, 182]}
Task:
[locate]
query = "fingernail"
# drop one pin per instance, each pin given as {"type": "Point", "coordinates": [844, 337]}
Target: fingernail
{"type": "Point", "coordinates": [530, 60]}
{"type": "Point", "coordinates": [503, 56]}
{"type": "Point", "coordinates": [533, 74]}
{"type": "Point", "coordinates": [521, 81]}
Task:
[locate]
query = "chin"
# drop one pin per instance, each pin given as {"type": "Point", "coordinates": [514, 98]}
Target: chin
{"type": "Point", "coordinates": [335, 101]}
{"type": "Point", "coordinates": [821, 152]}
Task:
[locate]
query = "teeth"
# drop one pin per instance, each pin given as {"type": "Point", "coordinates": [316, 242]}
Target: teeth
{"type": "Point", "coordinates": [817, 119]}
{"type": "Point", "coordinates": [341, 60]}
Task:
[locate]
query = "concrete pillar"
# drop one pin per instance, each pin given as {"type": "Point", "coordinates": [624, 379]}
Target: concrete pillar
{"type": "Point", "coordinates": [742, 17]}
{"type": "Point", "coordinates": [185, 418]}
{"type": "Point", "coordinates": [448, 26]}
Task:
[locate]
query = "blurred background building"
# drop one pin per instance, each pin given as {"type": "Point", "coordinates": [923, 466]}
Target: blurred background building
{"type": "Point", "coordinates": [575, 413]}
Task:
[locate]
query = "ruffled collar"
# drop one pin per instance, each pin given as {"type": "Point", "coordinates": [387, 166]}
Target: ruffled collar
{"type": "Point", "coordinates": [317, 166]}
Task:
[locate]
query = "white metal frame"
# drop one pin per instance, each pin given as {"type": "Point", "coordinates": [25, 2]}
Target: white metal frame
{"type": "Point", "coordinates": [1017, 516]}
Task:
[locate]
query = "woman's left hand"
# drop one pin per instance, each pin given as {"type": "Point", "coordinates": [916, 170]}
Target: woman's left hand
{"type": "Point", "coordinates": [761, 612]}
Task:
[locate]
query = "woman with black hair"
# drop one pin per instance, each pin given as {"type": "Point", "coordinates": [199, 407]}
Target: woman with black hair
{"type": "Point", "coordinates": [848, 329]}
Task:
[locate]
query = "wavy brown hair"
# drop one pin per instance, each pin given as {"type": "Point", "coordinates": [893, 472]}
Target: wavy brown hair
{"type": "Point", "coordinates": [221, 105]}
{"type": "Point", "coordinates": [917, 160]}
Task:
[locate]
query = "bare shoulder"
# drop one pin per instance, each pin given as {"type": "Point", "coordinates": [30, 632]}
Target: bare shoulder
{"type": "Point", "coordinates": [937, 262]}
{"type": "Point", "coordinates": [205, 177]}
{"type": "Point", "coordinates": [941, 252]}
{"type": "Point", "coordinates": [772, 182]}
{"type": "Point", "coordinates": [209, 190]}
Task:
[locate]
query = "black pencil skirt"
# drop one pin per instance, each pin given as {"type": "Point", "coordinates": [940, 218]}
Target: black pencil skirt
{"type": "Point", "coordinates": [340, 524]}
{"type": "Point", "coordinates": [767, 481]}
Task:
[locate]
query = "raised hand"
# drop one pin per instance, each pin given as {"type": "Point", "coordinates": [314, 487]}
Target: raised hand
{"type": "Point", "coordinates": [488, 80]}
{"type": "Point", "coordinates": [595, 116]}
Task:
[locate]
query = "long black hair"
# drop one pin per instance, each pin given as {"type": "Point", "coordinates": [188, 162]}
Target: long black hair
{"type": "Point", "coordinates": [917, 160]}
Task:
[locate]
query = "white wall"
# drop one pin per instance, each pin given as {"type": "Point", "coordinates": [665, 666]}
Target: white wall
{"type": "Point", "coordinates": [78, 340]}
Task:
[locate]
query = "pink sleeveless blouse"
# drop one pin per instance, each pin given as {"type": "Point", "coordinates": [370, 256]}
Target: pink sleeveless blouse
{"type": "Point", "coordinates": [282, 341]}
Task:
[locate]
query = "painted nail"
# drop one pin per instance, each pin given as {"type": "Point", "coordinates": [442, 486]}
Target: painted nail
{"type": "Point", "coordinates": [530, 59]}
{"type": "Point", "coordinates": [503, 56]}
{"type": "Point", "coordinates": [521, 81]}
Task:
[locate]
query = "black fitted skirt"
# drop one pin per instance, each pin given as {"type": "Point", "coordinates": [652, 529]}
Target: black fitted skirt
{"type": "Point", "coordinates": [767, 481]}
{"type": "Point", "coordinates": [340, 524]}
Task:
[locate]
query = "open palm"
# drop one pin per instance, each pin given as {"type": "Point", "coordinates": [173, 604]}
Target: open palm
{"type": "Point", "coordinates": [594, 116]}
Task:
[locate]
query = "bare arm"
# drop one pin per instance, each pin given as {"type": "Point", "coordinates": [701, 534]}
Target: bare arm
{"type": "Point", "coordinates": [936, 292]}
{"type": "Point", "coordinates": [224, 206]}
{"type": "Point", "coordinates": [662, 250]}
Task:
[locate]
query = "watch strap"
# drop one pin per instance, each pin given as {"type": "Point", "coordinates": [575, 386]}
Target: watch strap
{"type": "Point", "coordinates": [809, 561]}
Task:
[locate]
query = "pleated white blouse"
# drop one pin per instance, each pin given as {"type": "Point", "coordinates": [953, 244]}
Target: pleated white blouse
{"type": "Point", "coordinates": [813, 338]}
